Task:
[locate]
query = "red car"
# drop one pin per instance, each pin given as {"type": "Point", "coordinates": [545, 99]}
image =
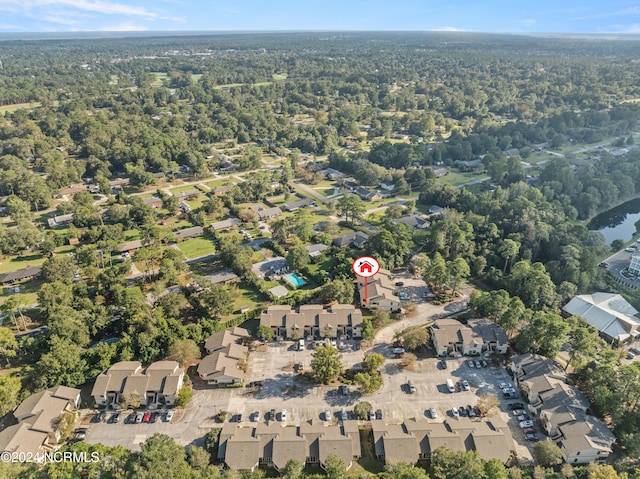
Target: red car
{"type": "Point", "coordinates": [147, 417]}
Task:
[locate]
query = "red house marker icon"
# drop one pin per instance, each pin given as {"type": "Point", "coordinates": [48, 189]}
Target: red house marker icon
{"type": "Point", "coordinates": [365, 267]}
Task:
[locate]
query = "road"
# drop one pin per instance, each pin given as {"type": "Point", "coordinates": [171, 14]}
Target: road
{"type": "Point", "coordinates": [311, 191]}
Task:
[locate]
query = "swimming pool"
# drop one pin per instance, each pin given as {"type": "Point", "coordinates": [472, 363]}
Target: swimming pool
{"type": "Point", "coordinates": [294, 280]}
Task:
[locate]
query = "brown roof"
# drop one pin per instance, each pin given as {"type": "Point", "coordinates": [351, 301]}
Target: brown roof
{"type": "Point", "coordinates": [243, 450]}
{"type": "Point", "coordinates": [288, 445]}
{"type": "Point", "coordinates": [113, 378]}
{"type": "Point", "coordinates": [586, 433]}
{"type": "Point", "coordinates": [217, 365]}
{"type": "Point", "coordinates": [225, 337]}
{"type": "Point", "coordinates": [488, 330]}
{"type": "Point", "coordinates": [311, 315]}
{"type": "Point", "coordinates": [451, 331]}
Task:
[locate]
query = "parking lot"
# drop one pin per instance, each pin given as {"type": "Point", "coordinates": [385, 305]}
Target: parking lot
{"type": "Point", "coordinates": [281, 387]}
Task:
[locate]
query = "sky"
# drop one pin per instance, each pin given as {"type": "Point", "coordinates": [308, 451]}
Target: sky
{"type": "Point", "coordinates": [564, 16]}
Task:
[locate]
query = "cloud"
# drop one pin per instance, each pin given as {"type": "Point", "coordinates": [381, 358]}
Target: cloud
{"type": "Point", "coordinates": [125, 27]}
{"type": "Point", "coordinates": [528, 21]}
{"type": "Point", "coordinates": [93, 6]}
{"type": "Point", "coordinates": [624, 11]}
{"type": "Point", "coordinates": [634, 28]}
{"type": "Point", "coordinates": [8, 26]}
{"type": "Point", "coordinates": [448, 29]}
{"type": "Point", "coordinates": [59, 19]}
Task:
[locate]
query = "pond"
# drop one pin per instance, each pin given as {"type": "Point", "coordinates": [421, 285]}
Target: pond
{"type": "Point", "coordinates": [618, 222]}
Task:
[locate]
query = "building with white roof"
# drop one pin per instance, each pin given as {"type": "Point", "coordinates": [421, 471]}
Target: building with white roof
{"type": "Point", "coordinates": [609, 313]}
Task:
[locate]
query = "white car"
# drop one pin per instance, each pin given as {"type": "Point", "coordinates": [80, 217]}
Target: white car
{"type": "Point", "coordinates": [169, 415]}
{"type": "Point", "coordinates": [433, 413]}
{"type": "Point", "coordinates": [525, 424]}
{"type": "Point", "coordinates": [327, 415]}
{"type": "Point", "coordinates": [283, 415]}
{"type": "Point", "coordinates": [465, 385]}
{"type": "Point", "coordinates": [471, 364]}
{"type": "Point", "coordinates": [454, 412]}
{"type": "Point", "coordinates": [519, 412]}
{"type": "Point", "coordinates": [505, 385]}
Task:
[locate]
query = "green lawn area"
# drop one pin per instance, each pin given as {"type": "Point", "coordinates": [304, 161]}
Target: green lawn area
{"type": "Point", "coordinates": [236, 85]}
{"type": "Point", "coordinates": [194, 247]}
{"type": "Point", "coordinates": [130, 235]}
{"type": "Point", "coordinates": [17, 106]}
{"type": "Point", "coordinates": [243, 294]}
{"type": "Point", "coordinates": [14, 263]}
{"type": "Point", "coordinates": [159, 77]}
{"type": "Point", "coordinates": [28, 292]}
{"type": "Point", "coordinates": [456, 178]}
{"type": "Point", "coordinates": [216, 183]}
{"type": "Point", "coordinates": [181, 189]}
{"type": "Point", "coordinates": [257, 256]}
{"type": "Point", "coordinates": [279, 76]}
{"type": "Point", "coordinates": [197, 203]}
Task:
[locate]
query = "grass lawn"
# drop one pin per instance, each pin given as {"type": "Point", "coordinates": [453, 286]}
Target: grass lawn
{"type": "Point", "coordinates": [456, 178]}
{"type": "Point", "coordinates": [216, 183]}
{"type": "Point", "coordinates": [257, 256]}
{"type": "Point", "coordinates": [197, 203]}
{"type": "Point", "coordinates": [14, 263]}
{"type": "Point", "coordinates": [17, 106]}
{"type": "Point", "coordinates": [236, 85]}
{"type": "Point", "coordinates": [243, 294]}
{"type": "Point", "coordinates": [28, 292]}
{"type": "Point", "coordinates": [181, 189]}
{"type": "Point", "coordinates": [368, 460]}
{"type": "Point", "coordinates": [279, 76]}
{"type": "Point", "coordinates": [130, 235]}
{"type": "Point", "coordinates": [194, 247]}
{"type": "Point", "coordinates": [159, 77]}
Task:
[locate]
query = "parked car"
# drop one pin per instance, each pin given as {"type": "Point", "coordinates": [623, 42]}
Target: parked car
{"type": "Point", "coordinates": [255, 417]}
{"type": "Point", "coordinates": [471, 412]}
{"type": "Point", "coordinates": [443, 364]}
{"type": "Point", "coordinates": [379, 414]}
{"type": "Point", "coordinates": [529, 430]}
{"type": "Point", "coordinates": [515, 405]}
{"type": "Point", "coordinates": [411, 386]}
{"type": "Point", "coordinates": [465, 385]}
{"type": "Point", "coordinates": [522, 417]}
{"type": "Point", "coordinates": [519, 412]}
{"type": "Point", "coordinates": [454, 412]}
{"type": "Point", "coordinates": [505, 385]}
{"type": "Point", "coordinates": [484, 363]}
{"type": "Point", "coordinates": [372, 415]}
{"type": "Point", "coordinates": [147, 417]}
{"type": "Point", "coordinates": [344, 390]}
{"type": "Point", "coordinates": [80, 434]}
{"type": "Point", "coordinates": [114, 418]}
{"type": "Point", "coordinates": [327, 415]}
{"type": "Point", "coordinates": [471, 364]}
{"type": "Point", "coordinates": [524, 424]}
{"type": "Point", "coordinates": [635, 351]}
{"type": "Point", "coordinates": [139, 418]}
{"type": "Point", "coordinates": [399, 283]}
{"type": "Point", "coordinates": [629, 250]}
{"type": "Point", "coordinates": [283, 415]}
{"type": "Point", "coordinates": [404, 296]}
{"type": "Point", "coordinates": [343, 415]}
{"type": "Point", "coordinates": [101, 416]}
{"type": "Point", "coordinates": [433, 413]}
{"type": "Point", "coordinates": [272, 415]}
{"type": "Point", "coordinates": [532, 437]}
{"type": "Point", "coordinates": [463, 411]}
{"type": "Point", "coordinates": [478, 365]}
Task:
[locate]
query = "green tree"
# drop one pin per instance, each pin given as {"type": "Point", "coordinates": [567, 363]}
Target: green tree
{"type": "Point", "coordinates": [198, 458]}
{"type": "Point", "coordinates": [63, 364]}
{"type": "Point", "coordinates": [362, 410]}
{"type": "Point", "coordinates": [298, 257]}
{"type": "Point", "coordinates": [602, 471]}
{"type": "Point", "coordinates": [18, 209]}
{"type": "Point", "coordinates": [373, 362]}
{"type": "Point", "coordinates": [265, 333]}
{"type": "Point", "coordinates": [293, 469]}
{"type": "Point", "coordinates": [437, 274]}
{"type": "Point", "coordinates": [59, 268]}
{"type": "Point", "coordinates": [211, 441]}
{"type": "Point", "coordinates": [9, 392]}
{"type": "Point", "coordinates": [414, 337]}
{"type": "Point", "coordinates": [368, 381]}
{"type": "Point", "coordinates": [494, 469]}
{"type": "Point", "coordinates": [161, 457]}
{"type": "Point", "coordinates": [185, 351]}
{"type": "Point", "coordinates": [547, 454]}
{"type": "Point", "coordinates": [326, 364]}
{"type": "Point", "coordinates": [544, 335]}
{"type": "Point", "coordinates": [447, 464]}
{"type": "Point", "coordinates": [459, 271]}
{"type": "Point", "coordinates": [334, 467]}
{"type": "Point", "coordinates": [403, 470]}
{"type": "Point", "coordinates": [8, 344]}
{"type": "Point", "coordinates": [339, 289]}
{"type": "Point", "coordinates": [508, 250]}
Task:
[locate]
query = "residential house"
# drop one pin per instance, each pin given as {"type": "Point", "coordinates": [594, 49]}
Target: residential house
{"type": "Point", "coordinates": [188, 233]}
{"type": "Point", "coordinates": [367, 195]}
{"type": "Point", "coordinates": [131, 246]}
{"type": "Point", "coordinates": [301, 203]}
{"type": "Point", "coordinates": [72, 190]}
{"type": "Point", "coordinates": [387, 186]}
{"type": "Point", "coordinates": [279, 291]}
{"type": "Point", "coordinates": [584, 441]}
{"type": "Point", "coordinates": [226, 356]}
{"type": "Point", "coordinates": [332, 174]}
{"type": "Point", "coordinates": [468, 165]}
{"type": "Point", "coordinates": [268, 213]}
{"type": "Point", "coordinates": [127, 382]}
{"type": "Point", "coordinates": [222, 339]}
{"type": "Point", "coordinates": [494, 338]}
{"type": "Point", "coordinates": [60, 221]}
{"type": "Point", "coordinates": [316, 250]}
{"type": "Point", "coordinates": [349, 183]}
{"type": "Point", "coordinates": [220, 190]}
{"type": "Point", "coordinates": [536, 374]}
{"type": "Point", "coordinates": [338, 320]}
{"type": "Point", "coordinates": [357, 239]}
{"type": "Point", "coordinates": [187, 195]}
{"type": "Point", "coordinates": [273, 445]}
{"type": "Point", "coordinates": [225, 225]}
{"type": "Point", "coordinates": [380, 292]}
{"type": "Point", "coordinates": [560, 405]}
{"type": "Point", "coordinates": [35, 432]}
{"type": "Point", "coordinates": [153, 201]}
{"type": "Point", "coordinates": [634, 264]}
{"type": "Point", "coordinates": [223, 277]}
{"type": "Point", "coordinates": [609, 313]}
{"type": "Point", "coordinates": [452, 338]}
{"type": "Point", "coordinates": [185, 207]}
{"type": "Point", "coordinates": [415, 439]}
{"type": "Point", "coordinates": [414, 221]}
{"type": "Point", "coordinates": [224, 366]}
{"type": "Point", "coordinates": [30, 272]}
{"type": "Point", "coordinates": [273, 267]}
{"type": "Point", "coordinates": [436, 210]}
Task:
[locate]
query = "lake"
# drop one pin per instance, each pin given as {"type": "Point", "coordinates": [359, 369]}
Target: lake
{"type": "Point", "coordinates": [618, 222]}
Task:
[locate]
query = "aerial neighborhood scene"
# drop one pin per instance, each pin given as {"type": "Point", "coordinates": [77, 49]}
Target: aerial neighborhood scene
{"type": "Point", "coordinates": [367, 250]}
